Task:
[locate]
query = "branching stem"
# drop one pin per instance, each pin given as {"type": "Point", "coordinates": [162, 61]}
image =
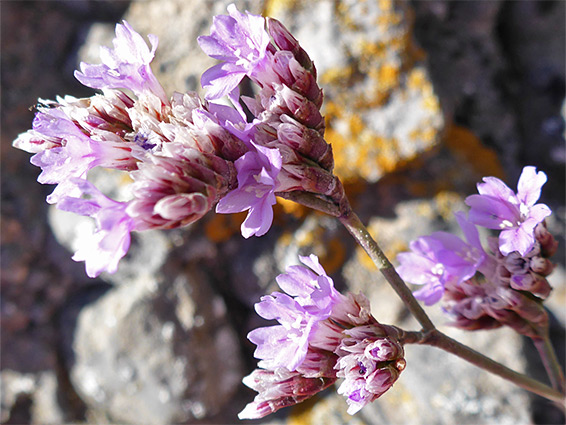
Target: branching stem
{"type": "Point", "coordinates": [550, 361]}
{"type": "Point", "coordinates": [437, 339]}
{"type": "Point", "coordinates": [429, 335]}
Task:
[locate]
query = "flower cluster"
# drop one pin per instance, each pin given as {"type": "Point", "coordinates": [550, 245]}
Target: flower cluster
{"type": "Point", "coordinates": [322, 335]}
{"type": "Point", "coordinates": [503, 285]}
{"type": "Point", "coordinates": [184, 154]}
{"type": "Point", "coordinates": [286, 109]}
{"type": "Point", "coordinates": [179, 156]}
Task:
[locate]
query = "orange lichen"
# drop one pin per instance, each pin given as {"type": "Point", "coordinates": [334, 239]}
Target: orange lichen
{"type": "Point", "coordinates": [222, 227]}
{"type": "Point", "coordinates": [417, 80]}
{"type": "Point", "coordinates": [275, 7]}
{"type": "Point", "coordinates": [447, 202]}
{"type": "Point", "coordinates": [463, 142]}
{"type": "Point", "coordinates": [302, 413]}
{"type": "Point", "coordinates": [292, 208]}
{"type": "Point", "coordinates": [388, 76]}
{"type": "Point", "coordinates": [285, 239]}
{"type": "Point", "coordinates": [333, 255]}
{"type": "Point", "coordinates": [338, 76]}
{"type": "Point", "coordinates": [372, 50]}
{"type": "Point", "coordinates": [425, 133]}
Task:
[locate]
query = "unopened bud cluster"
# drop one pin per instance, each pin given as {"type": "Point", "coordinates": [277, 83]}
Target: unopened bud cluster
{"type": "Point", "coordinates": [505, 282]}
{"type": "Point", "coordinates": [322, 336]}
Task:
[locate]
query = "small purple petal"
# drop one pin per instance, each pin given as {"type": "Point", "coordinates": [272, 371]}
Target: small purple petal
{"type": "Point", "coordinates": [530, 185]}
{"type": "Point", "coordinates": [257, 182]}
{"type": "Point", "coordinates": [127, 66]}
{"type": "Point", "coordinates": [111, 240]}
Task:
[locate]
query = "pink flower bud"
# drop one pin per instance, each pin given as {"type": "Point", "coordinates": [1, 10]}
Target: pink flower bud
{"type": "Point", "coordinates": [541, 265]}
{"type": "Point", "coordinates": [548, 244]}
{"type": "Point", "coordinates": [285, 41]}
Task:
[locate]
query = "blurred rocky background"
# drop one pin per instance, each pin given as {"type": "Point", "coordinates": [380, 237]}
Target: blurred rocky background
{"type": "Point", "coordinates": [422, 99]}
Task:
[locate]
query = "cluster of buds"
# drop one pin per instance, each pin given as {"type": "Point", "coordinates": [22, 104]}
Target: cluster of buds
{"type": "Point", "coordinates": [286, 110]}
{"type": "Point", "coordinates": [503, 285]}
{"type": "Point", "coordinates": [184, 154]}
{"type": "Point", "coordinates": [322, 336]}
{"type": "Point", "coordinates": [178, 155]}
{"type": "Point", "coordinates": [513, 294]}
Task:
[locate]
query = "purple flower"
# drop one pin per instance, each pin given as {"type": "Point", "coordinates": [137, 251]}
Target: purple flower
{"type": "Point", "coordinates": [179, 152]}
{"type": "Point", "coordinates": [474, 305]}
{"type": "Point", "coordinates": [257, 182]}
{"type": "Point", "coordinates": [321, 335]}
{"type": "Point", "coordinates": [240, 41]}
{"type": "Point", "coordinates": [370, 362]}
{"type": "Point", "coordinates": [111, 240]}
{"type": "Point", "coordinates": [516, 215]}
{"type": "Point", "coordinates": [127, 66]}
{"type": "Point", "coordinates": [436, 260]}
{"type": "Point", "coordinates": [310, 300]}
{"type": "Point", "coordinates": [75, 154]}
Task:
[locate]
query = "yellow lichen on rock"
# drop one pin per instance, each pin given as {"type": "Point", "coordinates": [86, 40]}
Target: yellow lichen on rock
{"type": "Point", "coordinates": [222, 227]}
{"type": "Point", "coordinates": [466, 144]}
{"type": "Point", "coordinates": [447, 202]}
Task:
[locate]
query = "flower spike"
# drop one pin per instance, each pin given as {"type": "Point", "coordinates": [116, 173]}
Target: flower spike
{"type": "Point", "coordinates": [322, 336]}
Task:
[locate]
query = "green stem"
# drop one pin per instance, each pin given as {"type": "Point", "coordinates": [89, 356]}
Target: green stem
{"type": "Point", "coordinates": [550, 361]}
{"type": "Point", "coordinates": [437, 339]}
{"type": "Point", "coordinates": [363, 237]}
{"type": "Point", "coordinates": [311, 200]}
{"type": "Point", "coordinates": [351, 221]}
{"type": "Point", "coordinates": [429, 335]}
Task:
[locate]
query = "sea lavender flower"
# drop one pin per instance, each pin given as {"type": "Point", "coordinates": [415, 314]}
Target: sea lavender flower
{"type": "Point", "coordinates": [515, 214]}
{"type": "Point", "coordinates": [179, 153]}
{"type": "Point", "coordinates": [439, 259]}
{"type": "Point", "coordinates": [65, 152]}
{"type": "Point", "coordinates": [257, 182]}
{"type": "Point", "coordinates": [127, 66]}
{"type": "Point", "coordinates": [322, 335]}
{"type": "Point", "coordinates": [369, 365]}
{"type": "Point", "coordinates": [480, 304]}
{"type": "Point", "coordinates": [241, 42]}
{"type": "Point", "coordinates": [501, 287]}
{"type": "Point", "coordinates": [111, 240]}
{"type": "Point", "coordinates": [287, 108]}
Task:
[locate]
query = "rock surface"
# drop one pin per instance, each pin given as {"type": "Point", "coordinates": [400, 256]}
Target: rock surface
{"type": "Point", "coordinates": [156, 351]}
{"type": "Point", "coordinates": [422, 99]}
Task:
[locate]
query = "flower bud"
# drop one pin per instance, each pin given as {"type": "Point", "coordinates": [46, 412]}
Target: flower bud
{"type": "Point", "coordinates": [369, 366]}
{"type": "Point", "coordinates": [306, 141]}
{"type": "Point", "coordinates": [533, 283]}
{"type": "Point", "coordinates": [279, 388]}
{"type": "Point", "coordinates": [548, 244]}
{"type": "Point", "coordinates": [541, 265]}
{"type": "Point", "coordinates": [173, 191]}
{"type": "Point", "coordinates": [285, 41]}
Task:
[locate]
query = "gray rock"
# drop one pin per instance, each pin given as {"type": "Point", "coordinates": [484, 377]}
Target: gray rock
{"type": "Point", "coordinates": [156, 351]}
{"type": "Point", "coordinates": [381, 108]}
{"type": "Point", "coordinates": [40, 390]}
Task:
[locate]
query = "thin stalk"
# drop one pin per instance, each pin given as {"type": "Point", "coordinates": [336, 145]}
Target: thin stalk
{"type": "Point", "coordinates": [311, 200]}
{"type": "Point", "coordinates": [429, 335]}
{"type": "Point", "coordinates": [363, 237]}
{"type": "Point", "coordinates": [360, 233]}
{"type": "Point", "coordinates": [550, 362]}
{"type": "Point", "coordinates": [437, 339]}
